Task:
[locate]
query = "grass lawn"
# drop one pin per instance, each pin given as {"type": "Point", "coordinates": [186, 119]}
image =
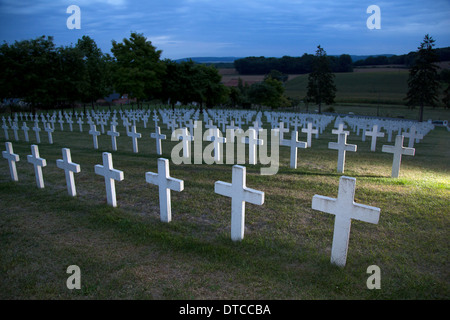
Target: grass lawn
{"type": "Point", "coordinates": [127, 253]}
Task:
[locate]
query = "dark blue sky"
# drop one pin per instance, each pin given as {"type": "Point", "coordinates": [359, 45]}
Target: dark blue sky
{"type": "Point", "coordinates": [194, 28]}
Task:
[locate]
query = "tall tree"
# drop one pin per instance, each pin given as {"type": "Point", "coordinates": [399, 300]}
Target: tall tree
{"type": "Point", "coordinates": [98, 82]}
{"type": "Point", "coordinates": [423, 87]}
{"type": "Point", "coordinates": [321, 87]}
{"type": "Point", "coordinates": [138, 70]}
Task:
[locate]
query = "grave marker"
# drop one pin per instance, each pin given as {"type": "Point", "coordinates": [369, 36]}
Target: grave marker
{"type": "Point", "coordinates": [239, 194]}
{"type": "Point", "coordinates": [38, 163]}
{"type": "Point", "coordinates": [12, 159]}
{"type": "Point", "coordinates": [69, 168]}
{"type": "Point", "coordinates": [342, 148]}
{"type": "Point", "coordinates": [158, 136]}
{"type": "Point", "coordinates": [106, 170]}
{"type": "Point", "coordinates": [165, 183]}
{"type": "Point", "coordinates": [345, 209]}
{"type": "Point", "coordinates": [134, 136]}
{"type": "Point", "coordinates": [398, 150]}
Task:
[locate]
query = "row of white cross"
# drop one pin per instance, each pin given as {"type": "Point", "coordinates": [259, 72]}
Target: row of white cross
{"type": "Point", "coordinates": [341, 145]}
{"type": "Point", "coordinates": [344, 207]}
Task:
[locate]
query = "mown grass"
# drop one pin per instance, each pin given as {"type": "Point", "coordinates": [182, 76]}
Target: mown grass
{"type": "Point", "coordinates": [127, 253]}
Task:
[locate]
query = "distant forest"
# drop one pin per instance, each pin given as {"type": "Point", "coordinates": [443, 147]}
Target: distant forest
{"type": "Point", "coordinates": [342, 63]}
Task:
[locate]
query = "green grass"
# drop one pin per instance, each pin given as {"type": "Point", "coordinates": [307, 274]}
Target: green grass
{"type": "Point", "coordinates": [387, 87]}
{"type": "Point", "coordinates": [127, 253]}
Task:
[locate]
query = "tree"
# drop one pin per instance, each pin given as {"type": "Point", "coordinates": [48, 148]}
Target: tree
{"type": "Point", "coordinates": [71, 75]}
{"type": "Point", "coordinates": [137, 69]}
{"type": "Point", "coordinates": [423, 87]}
{"type": "Point", "coordinates": [98, 74]}
{"type": "Point", "coordinates": [321, 87]}
{"type": "Point", "coordinates": [269, 93]}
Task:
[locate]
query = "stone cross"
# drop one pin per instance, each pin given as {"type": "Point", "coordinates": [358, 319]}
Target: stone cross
{"type": "Point", "coordinates": [5, 129]}
{"type": "Point", "coordinates": [184, 135]}
{"type": "Point", "coordinates": [25, 131]}
{"type": "Point", "coordinates": [12, 159]}
{"type": "Point", "coordinates": [49, 131]}
{"type": "Point", "coordinates": [80, 123]}
{"type": "Point", "coordinates": [412, 135]}
{"type": "Point", "coordinates": [106, 170]}
{"type": "Point", "coordinates": [345, 209]}
{"type": "Point", "coordinates": [70, 122]}
{"type": "Point", "coordinates": [165, 183]}
{"type": "Point", "coordinates": [342, 147]}
{"type": "Point", "coordinates": [294, 144]}
{"type": "Point", "coordinates": [113, 133]}
{"type": "Point", "coordinates": [94, 134]}
{"type": "Point", "coordinates": [309, 131]}
{"type": "Point", "coordinates": [217, 142]}
{"type": "Point", "coordinates": [374, 134]}
{"type": "Point", "coordinates": [340, 130]}
{"type": "Point", "coordinates": [283, 130]}
{"type": "Point", "coordinates": [36, 130]}
{"type": "Point", "coordinates": [61, 122]}
{"type": "Point", "coordinates": [398, 150]}
{"type": "Point", "coordinates": [15, 129]}
{"type": "Point", "coordinates": [69, 168]}
{"type": "Point", "coordinates": [252, 141]}
{"type": "Point", "coordinates": [134, 136]}
{"type": "Point", "coordinates": [239, 194]}
{"type": "Point", "coordinates": [158, 136]}
{"type": "Point", "coordinates": [38, 163]}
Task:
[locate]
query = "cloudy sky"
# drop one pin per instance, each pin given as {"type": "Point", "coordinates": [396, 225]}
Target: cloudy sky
{"type": "Point", "coordinates": [240, 28]}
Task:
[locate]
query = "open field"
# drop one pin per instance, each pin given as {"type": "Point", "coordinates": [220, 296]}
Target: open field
{"type": "Point", "coordinates": [127, 253]}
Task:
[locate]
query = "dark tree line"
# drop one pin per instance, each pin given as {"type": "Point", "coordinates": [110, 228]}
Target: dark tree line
{"type": "Point", "coordinates": [290, 65]}
{"type": "Point", "coordinates": [46, 76]}
{"type": "Point", "coordinates": [442, 54]}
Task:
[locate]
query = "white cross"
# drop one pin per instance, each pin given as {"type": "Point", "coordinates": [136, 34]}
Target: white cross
{"type": "Point", "coordinates": [94, 134]}
{"type": "Point", "coordinates": [184, 135]}
{"type": "Point", "coordinates": [113, 133]}
{"type": "Point", "coordinates": [158, 136]}
{"type": "Point", "coordinates": [134, 136]}
{"type": "Point", "coordinates": [61, 121]}
{"type": "Point", "coordinates": [12, 159]}
{"type": "Point", "coordinates": [342, 147]}
{"type": "Point", "coordinates": [282, 131]}
{"type": "Point", "coordinates": [340, 130]}
{"type": "Point", "coordinates": [252, 141]}
{"type": "Point", "coordinates": [38, 163]}
{"type": "Point", "coordinates": [309, 131]}
{"type": "Point", "coordinates": [412, 135]}
{"type": "Point", "coordinates": [294, 144]}
{"type": "Point", "coordinates": [36, 130]}
{"type": "Point", "coordinates": [25, 131]}
{"type": "Point", "coordinates": [398, 150]}
{"type": "Point", "coordinates": [80, 123]}
{"type": "Point", "coordinates": [345, 209]}
{"type": "Point", "coordinates": [217, 143]}
{"type": "Point", "coordinates": [374, 134]}
{"type": "Point", "coordinates": [239, 194]}
{"type": "Point", "coordinates": [165, 183]}
{"type": "Point", "coordinates": [15, 129]}
{"type": "Point", "coordinates": [110, 175]}
{"type": "Point", "coordinates": [5, 129]}
{"type": "Point", "coordinates": [69, 168]}
{"type": "Point", "coordinates": [70, 122]}
{"type": "Point", "coordinates": [49, 131]}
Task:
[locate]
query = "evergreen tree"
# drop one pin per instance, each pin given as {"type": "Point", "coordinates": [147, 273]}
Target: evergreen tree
{"type": "Point", "coordinates": [423, 87]}
{"type": "Point", "coordinates": [321, 87]}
